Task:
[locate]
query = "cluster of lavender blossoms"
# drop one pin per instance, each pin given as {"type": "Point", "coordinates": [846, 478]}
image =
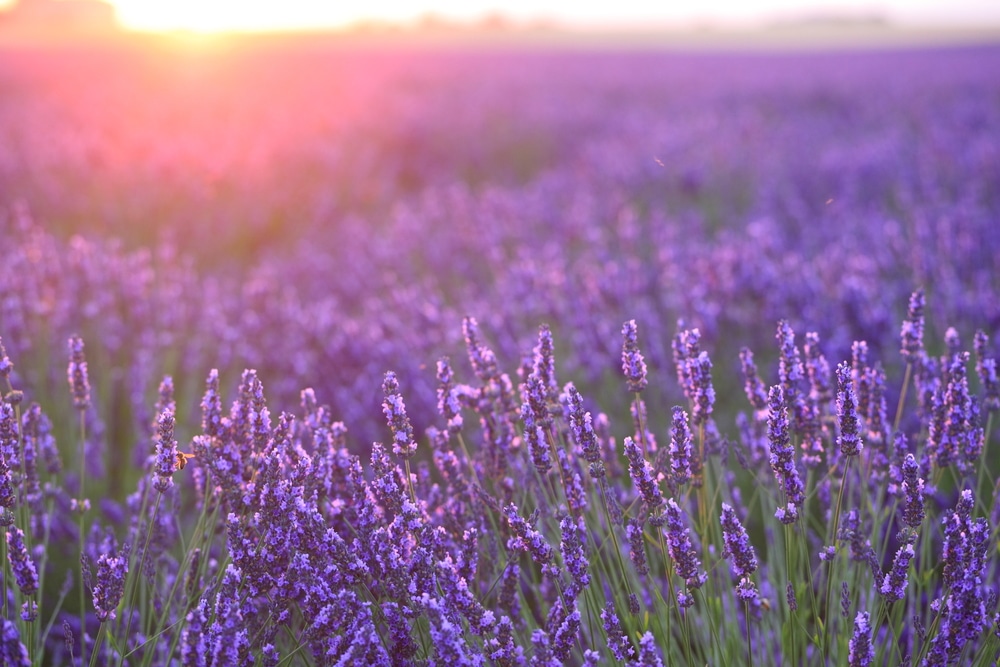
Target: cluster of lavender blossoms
{"type": "Point", "coordinates": [529, 531]}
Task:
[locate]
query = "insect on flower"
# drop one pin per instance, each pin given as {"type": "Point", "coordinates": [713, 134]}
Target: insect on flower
{"type": "Point", "coordinates": [182, 459]}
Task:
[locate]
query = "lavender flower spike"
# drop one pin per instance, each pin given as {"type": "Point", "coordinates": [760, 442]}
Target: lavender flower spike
{"type": "Point", "coordinates": [79, 383]}
{"type": "Point", "coordinates": [862, 651]}
{"type": "Point", "coordinates": [680, 448]}
{"type": "Point", "coordinates": [782, 456]}
{"type": "Point", "coordinates": [681, 549]}
{"type": "Point", "coordinates": [894, 584]}
{"type": "Point", "coordinates": [643, 475]}
{"type": "Point", "coordinates": [633, 364]}
{"type": "Point", "coordinates": [739, 549]}
{"type": "Point", "coordinates": [110, 585]}
{"type": "Point", "coordinates": [403, 444]}
{"type": "Point", "coordinates": [12, 651]}
{"type": "Point", "coordinates": [847, 413]}
{"type": "Point", "coordinates": [166, 451]}
{"type": "Point", "coordinates": [21, 564]}
{"type": "Point", "coordinates": [913, 489]}
{"type": "Point", "coordinates": [912, 333]}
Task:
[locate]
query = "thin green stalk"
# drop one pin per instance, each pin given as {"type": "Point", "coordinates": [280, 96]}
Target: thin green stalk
{"type": "Point", "coordinates": [746, 618]}
{"type": "Point", "coordinates": [136, 574]}
{"type": "Point", "coordinates": [81, 505]}
{"type": "Point", "coordinates": [829, 580]}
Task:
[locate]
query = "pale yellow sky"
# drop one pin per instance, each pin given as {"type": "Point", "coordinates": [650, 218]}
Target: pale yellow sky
{"type": "Point", "coordinates": [253, 15]}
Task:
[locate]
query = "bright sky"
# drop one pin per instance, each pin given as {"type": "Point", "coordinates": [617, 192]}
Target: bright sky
{"type": "Point", "coordinates": [249, 15]}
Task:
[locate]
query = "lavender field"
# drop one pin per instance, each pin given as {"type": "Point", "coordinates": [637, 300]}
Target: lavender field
{"type": "Point", "coordinates": [327, 356]}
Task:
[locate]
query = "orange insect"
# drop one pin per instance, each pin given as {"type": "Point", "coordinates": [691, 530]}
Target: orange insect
{"type": "Point", "coordinates": [182, 459]}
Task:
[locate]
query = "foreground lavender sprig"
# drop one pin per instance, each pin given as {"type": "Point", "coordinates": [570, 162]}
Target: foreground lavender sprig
{"type": "Point", "coordinates": [79, 380]}
{"type": "Point", "coordinates": [681, 549]}
{"type": "Point", "coordinates": [109, 586]}
{"type": "Point", "coordinates": [633, 365]}
{"type": "Point", "coordinates": [847, 413]}
{"type": "Point", "coordinates": [21, 563]}
{"type": "Point", "coordinates": [782, 456]}
{"type": "Point", "coordinates": [912, 333]}
{"type": "Point", "coordinates": [740, 551]}
{"type": "Point", "coordinates": [862, 651]}
{"type": "Point", "coordinates": [166, 451]}
{"type": "Point", "coordinates": [403, 444]}
{"type": "Point", "coordinates": [643, 476]}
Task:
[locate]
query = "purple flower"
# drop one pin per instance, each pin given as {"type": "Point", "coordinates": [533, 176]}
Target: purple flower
{"type": "Point", "coordinates": [681, 549]}
{"type": "Point", "coordinates": [166, 451]}
{"type": "Point", "coordinates": [636, 543]}
{"type": "Point", "coordinates": [534, 436]}
{"type": "Point", "coordinates": [782, 456]}
{"type": "Point", "coordinates": [913, 491]}
{"type": "Point", "coordinates": [211, 407]}
{"type": "Point", "coordinates": [703, 396]}
{"type": "Point", "coordinates": [643, 475]}
{"type": "Point", "coordinates": [633, 364]}
{"type": "Point", "coordinates": [110, 585]}
{"type": "Point", "coordinates": [21, 564]}
{"type": "Point", "coordinates": [862, 651]}
{"type": "Point", "coordinates": [817, 370]}
{"type": "Point", "coordinates": [753, 386]}
{"type": "Point", "coordinates": [893, 585]}
{"type": "Point", "coordinates": [8, 455]}
{"type": "Point", "coordinates": [739, 549]}
{"type": "Point", "coordinates": [79, 383]}
{"type": "Point", "coordinates": [545, 364]}
{"type": "Point", "coordinates": [403, 444]}
{"type": "Point", "coordinates": [448, 396]}
{"type": "Point", "coordinates": [790, 369]}
{"type": "Point", "coordinates": [618, 643]}
{"type": "Point", "coordinates": [912, 333]}
{"type": "Point", "coordinates": [847, 413]}
{"type": "Point", "coordinates": [574, 532]}
{"type": "Point", "coordinates": [582, 427]}
{"type": "Point", "coordinates": [528, 540]}
{"type": "Point", "coordinates": [6, 365]}
{"type": "Point", "coordinates": [680, 447]}
{"type": "Point", "coordinates": [649, 654]}
{"type": "Point", "coordinates": [12, 651]}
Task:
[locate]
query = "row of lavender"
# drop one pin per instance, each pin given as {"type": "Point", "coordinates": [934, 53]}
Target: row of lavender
{"type": "Point", "coordinates": [832, 530]}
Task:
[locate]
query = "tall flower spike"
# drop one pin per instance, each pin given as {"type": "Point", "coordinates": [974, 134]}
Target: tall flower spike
{"type": "Point", "coordinates": [703, 398]}
{"type": "Point", "coordinates": [790, 368]}
{"type": "Point", "coordinates": [681, 549]}
{"type": "Point", "coordinates": [21, 564]}
{"type": "Point", "coordinates": [912, 333]}
{"type": "Point", "coordinates": [894, 583]}
{"type": "Point", "coordinates": [847, 413]}
{"type": "Point", "coordinates": [211, 407]}
{"type": "Point", "coordinates": [782, 456]}
{"type": "Point", "coordinates": [545, 363]}
{"type": "Point", "coordinates": [6, 365]}
{"type": "Point", "coordinates": [110, 585]}
{"type": "Point", "coordinates": [642, 475]}
{"type": "Point", "coordinates": [618, 642]}
{"type": "Point", "coordinates": [739, 549]}
{"type": "Point", "coordinates": [403, 444]}
{"type": "Point", "coordinates": [166, 451]}
{"type": "Point", "coordinates": [753, 386]}
{"type": "Point", "coordinates": [79, 382]}
{"type": "Point", "coordinates": [680, 447]}
{"type": "Point", "coordinates": [633, 365]}
{"type": "Point", "coordinates": [862, 651]}
{"type": "Point", "coordinates": [913, 490]}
